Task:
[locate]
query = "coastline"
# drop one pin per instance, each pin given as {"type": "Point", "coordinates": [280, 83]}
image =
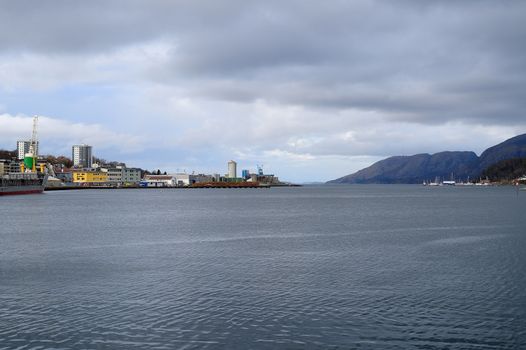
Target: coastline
{"type": "Point", "coordinates": [73, 188]}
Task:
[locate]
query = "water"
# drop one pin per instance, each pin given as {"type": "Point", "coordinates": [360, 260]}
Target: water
{"type": "Point", "coordinates": [333, 267]}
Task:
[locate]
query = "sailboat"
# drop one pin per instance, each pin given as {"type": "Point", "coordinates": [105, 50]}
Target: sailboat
{"type": "Point", "coordinates": [435, 183]}
{"type": "Point", "coordinates": [451, 182]}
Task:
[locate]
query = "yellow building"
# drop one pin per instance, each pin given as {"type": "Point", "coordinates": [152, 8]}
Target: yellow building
{"type": "Point", "coordinates": [83, 176]}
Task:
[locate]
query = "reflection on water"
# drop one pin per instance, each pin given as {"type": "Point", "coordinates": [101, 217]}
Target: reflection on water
{"type": "Point", "coordinates": [334, 267]}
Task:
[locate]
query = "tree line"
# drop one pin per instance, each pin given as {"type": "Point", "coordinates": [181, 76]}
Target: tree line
{"type": "Point", "coordinates": [506, 170]}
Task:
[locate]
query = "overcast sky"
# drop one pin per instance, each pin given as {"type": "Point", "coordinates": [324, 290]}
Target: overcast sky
{"type": "Point", "coordinates": [313, 90]}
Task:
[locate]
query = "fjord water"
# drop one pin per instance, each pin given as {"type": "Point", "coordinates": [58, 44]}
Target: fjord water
{"type": "Point", "coordinates": [317, 267]}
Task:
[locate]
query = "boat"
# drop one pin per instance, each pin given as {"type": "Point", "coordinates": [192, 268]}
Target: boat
{"type": "Point", "coordinates": [467, 183]}
{"type": "Point", "coordinates": [450, 182]}
{"type": "Point", "coordinates": [435, 183]}
{"type": "Point", "coordinates": [30, 179]}
{"type": "Point", "coordinates": [22, 183]}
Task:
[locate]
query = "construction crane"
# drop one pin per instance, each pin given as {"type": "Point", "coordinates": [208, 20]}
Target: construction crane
{"type": "Point", "coordinates": [30, 158]}
{"type": "Point", "coordinates": [34, 143]}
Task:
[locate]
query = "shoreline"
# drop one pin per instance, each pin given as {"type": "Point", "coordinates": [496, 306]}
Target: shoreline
{"type": "Point", "coordinates": [73, 188]}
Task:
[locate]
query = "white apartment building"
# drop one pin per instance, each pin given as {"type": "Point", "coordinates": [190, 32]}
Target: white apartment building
{"type": "Point", "coordinates": [82, 156]}
{"type": "Point", "coordinates": [232, 169]}
{"type": "Point", "coordinates": [22, 147]}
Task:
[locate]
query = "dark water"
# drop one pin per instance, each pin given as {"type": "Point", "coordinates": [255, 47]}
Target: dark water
{"type": "Point", "coordinates": [343, 267]}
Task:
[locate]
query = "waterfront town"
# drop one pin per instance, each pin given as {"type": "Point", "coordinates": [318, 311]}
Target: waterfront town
{"type": "Point", "coordinates": [84, 170]}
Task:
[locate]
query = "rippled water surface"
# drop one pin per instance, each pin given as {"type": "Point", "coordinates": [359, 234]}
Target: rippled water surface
{"type": "Point", "coordinates": [328, 267]}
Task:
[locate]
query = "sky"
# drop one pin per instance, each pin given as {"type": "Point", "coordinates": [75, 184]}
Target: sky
{"type": "Point", "coordinates": [311, 90]}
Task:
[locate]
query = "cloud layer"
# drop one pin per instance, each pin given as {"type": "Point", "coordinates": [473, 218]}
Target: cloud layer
{"type": "Point", "coordinates": [314, 89]}
{"type": "Point", "coordinates": [57, 135]}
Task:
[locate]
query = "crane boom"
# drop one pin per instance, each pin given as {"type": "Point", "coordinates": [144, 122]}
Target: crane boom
{"type": "Point", "coordinates": [34, 136]}
{"type": "Point", "coordinates": [33, 148]}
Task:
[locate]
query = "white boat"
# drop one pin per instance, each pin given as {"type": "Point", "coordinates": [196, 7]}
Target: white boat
{"type": "Point", "coordinates": [451, 182]}
{"type": "Point", "coordinates": [467, 183]}
{"type": "Point", "coordinates": [435, 183]}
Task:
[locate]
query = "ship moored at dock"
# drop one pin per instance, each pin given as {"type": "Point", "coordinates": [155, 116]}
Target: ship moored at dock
{"type": "Point", "coordinates": [31, 178]}
{"type": "Point", "coordinates": [22, 183]}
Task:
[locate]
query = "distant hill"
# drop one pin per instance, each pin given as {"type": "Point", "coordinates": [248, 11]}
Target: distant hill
{"type": "Point", "coordinates": [509, 149]}
{"type": "Point", "coordinates": [420, 167]}
{"type": "Point", "coordinates": [506, 170]}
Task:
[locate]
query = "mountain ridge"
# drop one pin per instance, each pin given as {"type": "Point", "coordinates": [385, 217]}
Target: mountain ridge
{"type": "Point", "coordinates": [445, 165]}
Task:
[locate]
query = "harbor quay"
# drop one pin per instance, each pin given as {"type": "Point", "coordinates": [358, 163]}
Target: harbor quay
{"type": "Point", "coordinates": [120, 176]}
{"type": "Point", "coordinates": [25, 171]}
{"type": "Point", "coordinates": [85, 171]}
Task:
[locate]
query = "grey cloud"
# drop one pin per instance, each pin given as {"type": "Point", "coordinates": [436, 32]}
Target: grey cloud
{"type": "Point", "coordinates": [415, 66]}
{"type": "Point", "coordinates": [415, 61]}
{"type": "Point", "coordinates": [61, 26]}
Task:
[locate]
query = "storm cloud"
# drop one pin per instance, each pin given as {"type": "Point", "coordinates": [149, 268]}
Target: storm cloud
{"type": "Point", "coordinates": [315, 82]}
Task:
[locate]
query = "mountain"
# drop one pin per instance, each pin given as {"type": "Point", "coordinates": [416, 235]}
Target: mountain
{"type": "Point", "coordinates": [509, 149]}
{"type": "Point", "coordinates": [415, 169]}
{"type": "Point", "coordinates": [420, 167]}
{"type": "Point", "coordinates": [506, 170]}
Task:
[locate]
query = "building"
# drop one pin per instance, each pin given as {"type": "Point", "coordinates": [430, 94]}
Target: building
{"type": "Point", "coordinates": [232, 169]}
{"type": "Point", "coordinates": [176, 180]}
{"type": "Point", "coordinates": [3, 168]}
{"type": "Point", "coordinates": [182, 180]}
{"type": "Point", "coordinates": [267, 179]}
{"type": "Point", "coordinates": [114, 174]}
{"type": "Point", "coordinates": [82, 156]}
{"type": "Point", "coordinates": [158, 181]}
{"type": "Point", "coordinates": [200, 178]}
{"type": "Point", "coordinates": [22, 147]}
{"type": "Point", "coordinates": [123, 175]}
{"type": "Point", "coordinates": [83, 176]}
{"type": "Point", "coordinates": [190, 179]}
{"type": "Point", "coordinates": [131, 175]}
{"type": "Point", "coordinates": [245, 174]}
